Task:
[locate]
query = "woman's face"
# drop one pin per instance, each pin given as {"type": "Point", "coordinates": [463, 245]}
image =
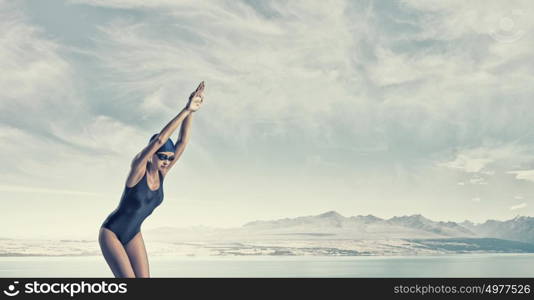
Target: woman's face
{"type": "Point", "coordinates": [163, 159]}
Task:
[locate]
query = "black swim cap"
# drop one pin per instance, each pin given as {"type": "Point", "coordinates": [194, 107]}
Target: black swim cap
{"type": "Point", "coordinates": [167, 147]}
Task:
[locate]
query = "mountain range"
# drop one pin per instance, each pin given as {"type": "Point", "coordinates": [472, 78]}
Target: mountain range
{"type": "Point", "coordinates": [331, 233]}
{"type": "Point", "coordinates": [331, 224]}
{"type": "Point", "coordinates": [520, 228]}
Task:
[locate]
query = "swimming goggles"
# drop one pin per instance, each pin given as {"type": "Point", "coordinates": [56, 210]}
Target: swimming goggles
{"type": "Point", "coordinates": [162, 156]}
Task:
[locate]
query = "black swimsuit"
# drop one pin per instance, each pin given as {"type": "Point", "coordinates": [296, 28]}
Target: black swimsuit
{"type": "Point", "coordinates": [136, 204]}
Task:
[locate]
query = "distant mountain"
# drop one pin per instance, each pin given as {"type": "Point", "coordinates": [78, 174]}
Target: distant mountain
{"type": "Point", "coordinates": [366, 219]}
{"type": "Point", "coordinates": [363, 226]}
{"type": "Point", "coordinates": [516, 229]}
{"type": "Point", "coordinates": [520, 228]}
{"type": "Point", "coordinates": [331, 233]}
{"type": "Point", "coordinates": [422, 223]}
{"type": "Point", "coordinates": [327, 219]}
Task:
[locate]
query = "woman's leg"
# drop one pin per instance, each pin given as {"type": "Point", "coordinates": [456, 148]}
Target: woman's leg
{"type": "Point", "coordinates": [115, 254]}
{"type": "Point", "coordinates": [137, 253]}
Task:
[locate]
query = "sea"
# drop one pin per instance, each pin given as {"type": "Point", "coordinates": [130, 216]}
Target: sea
{"type": "Point", "coordinates": [455, 265]}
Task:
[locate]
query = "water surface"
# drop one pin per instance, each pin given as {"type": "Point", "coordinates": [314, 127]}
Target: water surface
{"type": "Point", "coordinates": [458, 265]}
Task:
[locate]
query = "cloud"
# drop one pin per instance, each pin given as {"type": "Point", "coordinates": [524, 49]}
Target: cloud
{"type": "Point", "coordinates": [350, 75]}
{"type": "Point", "coordinates": [522, 205]}
{"type": "Point", "coordinates": [527, 175]}
{"type": "Point", "coordinates": [243, 56]}
{"type": "Point", "coordinates": [467, 164]}
{"type": "Point", "coordinates": [37, 89]}
{"type": "Point", "coordinates": [106, 135]}
{"type": "Point", "coordinates": [477, 180]}
{"type": "Point", "coordinates": [31, 70]}
{"type": "Point", "coordinates": [484, 159]}
{"type": "Point", "coordinates": [38, 190]}
{"type": "Point", "coordinates": [47, 128]}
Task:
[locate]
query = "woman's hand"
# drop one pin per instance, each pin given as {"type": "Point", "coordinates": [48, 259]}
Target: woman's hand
{"type": "Point", "coordinates": [196, 98]}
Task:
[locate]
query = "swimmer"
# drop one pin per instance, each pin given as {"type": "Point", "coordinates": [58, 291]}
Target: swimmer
{"type": "Point", "coordinates": [120, 236]}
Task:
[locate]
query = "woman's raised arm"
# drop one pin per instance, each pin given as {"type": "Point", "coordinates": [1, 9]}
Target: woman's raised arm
{"type": "Point", "coordinates": [140, 160]}
{"type": "Point", "coordinates": [195, 100]}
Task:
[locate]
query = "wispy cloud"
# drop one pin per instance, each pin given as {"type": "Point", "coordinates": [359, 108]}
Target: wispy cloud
{"type": "Point", "coordinates": [337, 72]}
{"type": "Point", "coordinates": [519, 206]}
{"type": "Point", "coordinates": [38, 190]}
{"type": "Point", "coordinates": [485, 159]}
{"type": "Point", "coordinates": [30, 96]}
{"type": "Point", "coordinates": [467, 164]}
{"type": "Point", "coordinates": [527, 175]}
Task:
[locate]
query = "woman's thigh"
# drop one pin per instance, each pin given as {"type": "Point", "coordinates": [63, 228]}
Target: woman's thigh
{"type": "Point", "coordinates": [115, 254]}
{"type": "Point", "coordinates": [136, 251]}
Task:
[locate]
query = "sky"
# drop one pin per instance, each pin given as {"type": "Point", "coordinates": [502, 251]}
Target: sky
{"type": "Point", "coordinates": [387, 108]}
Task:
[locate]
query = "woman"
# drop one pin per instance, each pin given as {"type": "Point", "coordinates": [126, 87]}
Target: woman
{"type": "Point", "coordinates": [120, 237]}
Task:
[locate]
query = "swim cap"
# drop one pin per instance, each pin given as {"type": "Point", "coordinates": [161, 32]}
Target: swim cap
{"type": "Point", "coordinates": [167, 147]}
